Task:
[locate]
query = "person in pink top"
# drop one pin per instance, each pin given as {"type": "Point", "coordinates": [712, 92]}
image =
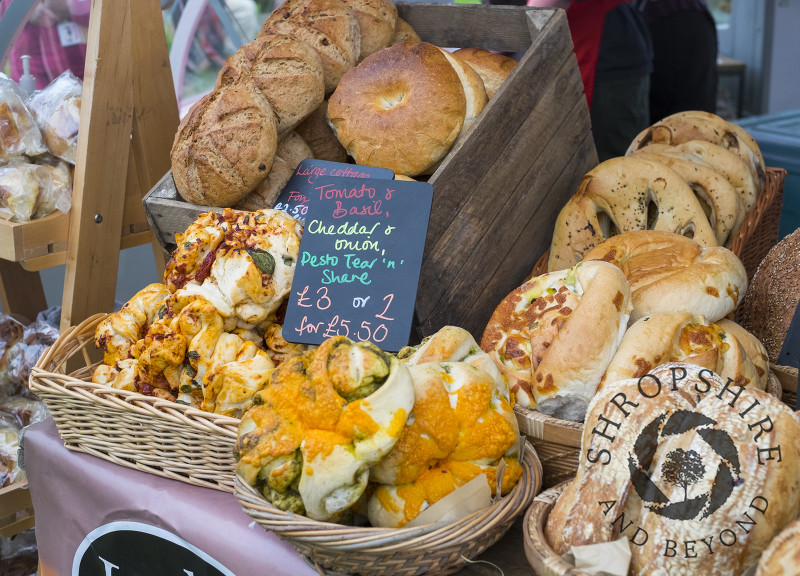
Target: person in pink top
{"type": "Point", "coordinates": [54, 37]}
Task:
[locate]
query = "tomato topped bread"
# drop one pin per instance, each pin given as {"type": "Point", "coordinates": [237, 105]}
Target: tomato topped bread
{"type": "Point", "coordinates": [537, 336]}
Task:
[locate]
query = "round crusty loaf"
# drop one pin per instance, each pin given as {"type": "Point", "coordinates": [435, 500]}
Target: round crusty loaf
{"type": "Point", "coordinates": [328, 26]}
{"type": "Point", "coordinates": [319, 135]}
{"type": "Point", "coordinates": [225, 145]}
{"type": "Point", "coordinates": [622, 195]}
{"type": "Point", "coordinates": [402, 108]}
{"type": "Point", "coordinates": [474, 90]}
{"type": "Point", "coordinates": [697, 125]}
{"type": "Point", "coordinates": [403, 32]}
{"type": "Point", "coordinates": [291, 151]}
{"type": "Point", "coordinates": [376, 22]}
{"type": "Point", "coordinates": [720, 201]}
{"type": "Point", "coordinates": [773, 295]}
{"type": "Point", "coordinates": [286, 70]}
{"type": "Point", "coordinates": [671, 273]}
{"type": "Point", "coordinates": [492, 68]}
{"type": "Point", "coordinates": [782, 556]}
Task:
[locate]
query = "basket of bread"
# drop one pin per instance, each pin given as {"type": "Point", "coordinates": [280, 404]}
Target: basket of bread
{"type": "Point", "coordinates": [681, 472]}
{"type": "Point", "coordinates": [677, 219]}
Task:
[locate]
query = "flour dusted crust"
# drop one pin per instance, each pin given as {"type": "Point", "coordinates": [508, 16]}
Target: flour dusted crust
{"type": "Point", "coordinates": [782, 557]}
{"type": "Point", "coordinates": [622, 195]}
{"type": "Point", "coordinates": [537, 334]}
{"type": "Point", "coordinates": [225, 145]}
{"type": "Point", "coordinates": [768, 489]}
{"type": "Point", "coordinates": [723, 347]}
{"type": "Point", "coordinates": [697, 125]}
{"type": "Point", "coordinates": [288, 72]}
{"type": "Point", "coordinates": [328, 26]}
{"type": "Point", "coordinates": [671, 273]}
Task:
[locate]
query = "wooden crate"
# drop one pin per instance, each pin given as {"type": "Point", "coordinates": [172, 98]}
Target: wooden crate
{"type": "Point", "coordinates": [498, 192]}
{"type": "Point", "coordinates": [16, 509]}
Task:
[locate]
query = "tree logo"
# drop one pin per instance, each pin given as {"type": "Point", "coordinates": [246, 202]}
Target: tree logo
{"type": "Point", "coordinates": [683, 468]}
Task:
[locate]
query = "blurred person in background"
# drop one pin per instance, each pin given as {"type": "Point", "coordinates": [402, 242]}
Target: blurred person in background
{"type": "Point", "coordinates": [54, 37]}
{"type": "Point", "coordinates": [685, 57]}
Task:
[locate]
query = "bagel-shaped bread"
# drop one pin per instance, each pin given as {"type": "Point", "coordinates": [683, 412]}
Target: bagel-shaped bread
{"type": "Point", "coordinates": [402, 108]}
{"type": "Point", "coordinates": [319, 136]}
{"type": "Point", "coordinates": [376, 22]}
{"type": "Point", "coordinates": [537, 336]}
{"type": "Point", "coordinates": [403, 32]}
{"type": "Point", "coordinates": [287, 71]}
{"type": "Point", "coordinates": [474, 90]}
{"type": "Point", "coordinates": [670, 273]}
{"type": "Point", "coordinates": [292, 150]}
{"type": "Point", "coordinates": [725, 162]}
{"type": "Point", "coordinates": [681, 337]}
{"type": "Point", "coordinates": [492, 68]}
{"type": "Point", "coordinates": [674, 456]}
{"type": "Point", "coordinates": [697, 125]}
{"type": "Point", "coordinates": [328, 26]}
{"type": "Point", "coordinates": [721, 203]}
{"type": "Point", "coordinates": [225, 145]}
{"type": "Point", "coordinates": [622, 195]}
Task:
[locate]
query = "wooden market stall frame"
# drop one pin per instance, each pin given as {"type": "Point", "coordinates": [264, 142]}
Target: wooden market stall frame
{"type": "Point", "coordinates": [129, 116]}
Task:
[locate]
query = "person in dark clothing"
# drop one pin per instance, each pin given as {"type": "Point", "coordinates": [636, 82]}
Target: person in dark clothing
{"type": "Point", "coordinates": [620, 106]}
{"type": "Point", "coordinates": [684, 57]}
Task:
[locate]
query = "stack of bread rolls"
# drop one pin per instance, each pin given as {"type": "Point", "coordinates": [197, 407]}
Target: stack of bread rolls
{"type": "Point", "coordinates": [692, 173]}
{"type": "Point", "coordinates": [637, 300]}
{"type": "Point", "coordinates": [230, 148]}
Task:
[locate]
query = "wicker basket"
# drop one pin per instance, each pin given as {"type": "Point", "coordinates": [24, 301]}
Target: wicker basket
{"type": "Point", "coordinates": [430, 549]}
{"type": "Point", "coordinates": [130, 429]}
{"type": "Point", "coordinates": [541, 556]}
{"type": "Point", "coordinates": [557, 441]}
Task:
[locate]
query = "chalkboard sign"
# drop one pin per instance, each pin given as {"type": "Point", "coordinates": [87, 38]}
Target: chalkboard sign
{"type": "Point", "coordinates": [359, 263]}
{"type": "Point", "coordinates": [295, 203]}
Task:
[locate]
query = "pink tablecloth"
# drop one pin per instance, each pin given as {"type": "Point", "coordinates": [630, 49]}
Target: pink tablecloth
{"type": "Point", "coordinates": [75, 494]}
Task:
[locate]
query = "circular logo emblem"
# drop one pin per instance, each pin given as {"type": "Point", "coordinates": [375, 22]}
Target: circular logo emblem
{"type": "Point", "coordinates": [683, 468]}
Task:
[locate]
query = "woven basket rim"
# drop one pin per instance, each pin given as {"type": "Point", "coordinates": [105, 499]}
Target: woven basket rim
{"type": "Point", "coordinates": [538, 550]}
{"type": "Point", "coordinates": [368, 539]}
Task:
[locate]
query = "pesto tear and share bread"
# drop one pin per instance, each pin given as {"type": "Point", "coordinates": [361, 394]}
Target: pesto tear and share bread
{"type": "Point", "coordinates": [325, 417]}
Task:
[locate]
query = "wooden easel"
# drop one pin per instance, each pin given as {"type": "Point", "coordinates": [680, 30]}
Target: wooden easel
{"type": "Point", "coordinates": [129, 116]}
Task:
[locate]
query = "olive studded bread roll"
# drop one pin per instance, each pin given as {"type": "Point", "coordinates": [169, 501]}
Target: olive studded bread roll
{"type": "Point", "coordinates": [622, 195]}
{"type": "Point", "coordinates": [225, 145]}
{"type": "Point", "coordinates": [319, 136]}
{"type": "Point", "coordinates": [377, 20]}
{"type": "Point", "coordinates": [288, 72]}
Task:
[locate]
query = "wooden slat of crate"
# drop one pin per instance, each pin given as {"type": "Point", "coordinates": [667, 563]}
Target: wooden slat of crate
{"type": "Point", "coordinates": [497, 194]}
{"type": "Point", "coordinates": [40, 237]}
{"type": "Point", "coordinates": [16, 509]}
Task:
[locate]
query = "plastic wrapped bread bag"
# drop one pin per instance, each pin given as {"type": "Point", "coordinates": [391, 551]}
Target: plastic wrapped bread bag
{"type": "Point", "coordinates": [57, 109]}
{"type": "Point", "coordinates": [55, 189]}
{"type": "Point", "coordinates": [19, 189]}
{"type": "Point", "coordinates": [19, 133]}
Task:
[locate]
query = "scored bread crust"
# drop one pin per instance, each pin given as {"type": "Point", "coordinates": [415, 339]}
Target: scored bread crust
{"type": "Point", "coordinates": [225, 145]}
{"type": "Point", "coordinates": [623, 190]}
{"type": "Point", "coordinates": [402, 108]}
{"type": "Point", "coordinates": [492, 68]}
{"type": "Point", "coordinates": [725, 207]}
{"type": "Point", "coordinates": [288, 72]}
{"type": "Point", "coordinates": [670, 273]}
{"type": "Point", "coordinates": [376, 22]}
{"type": "Point", "coordinates": [698, 125]}
{"type": "Point", "coordinates": [537, 334]}
{"type": "Point", "coordinates": [328, 26]}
